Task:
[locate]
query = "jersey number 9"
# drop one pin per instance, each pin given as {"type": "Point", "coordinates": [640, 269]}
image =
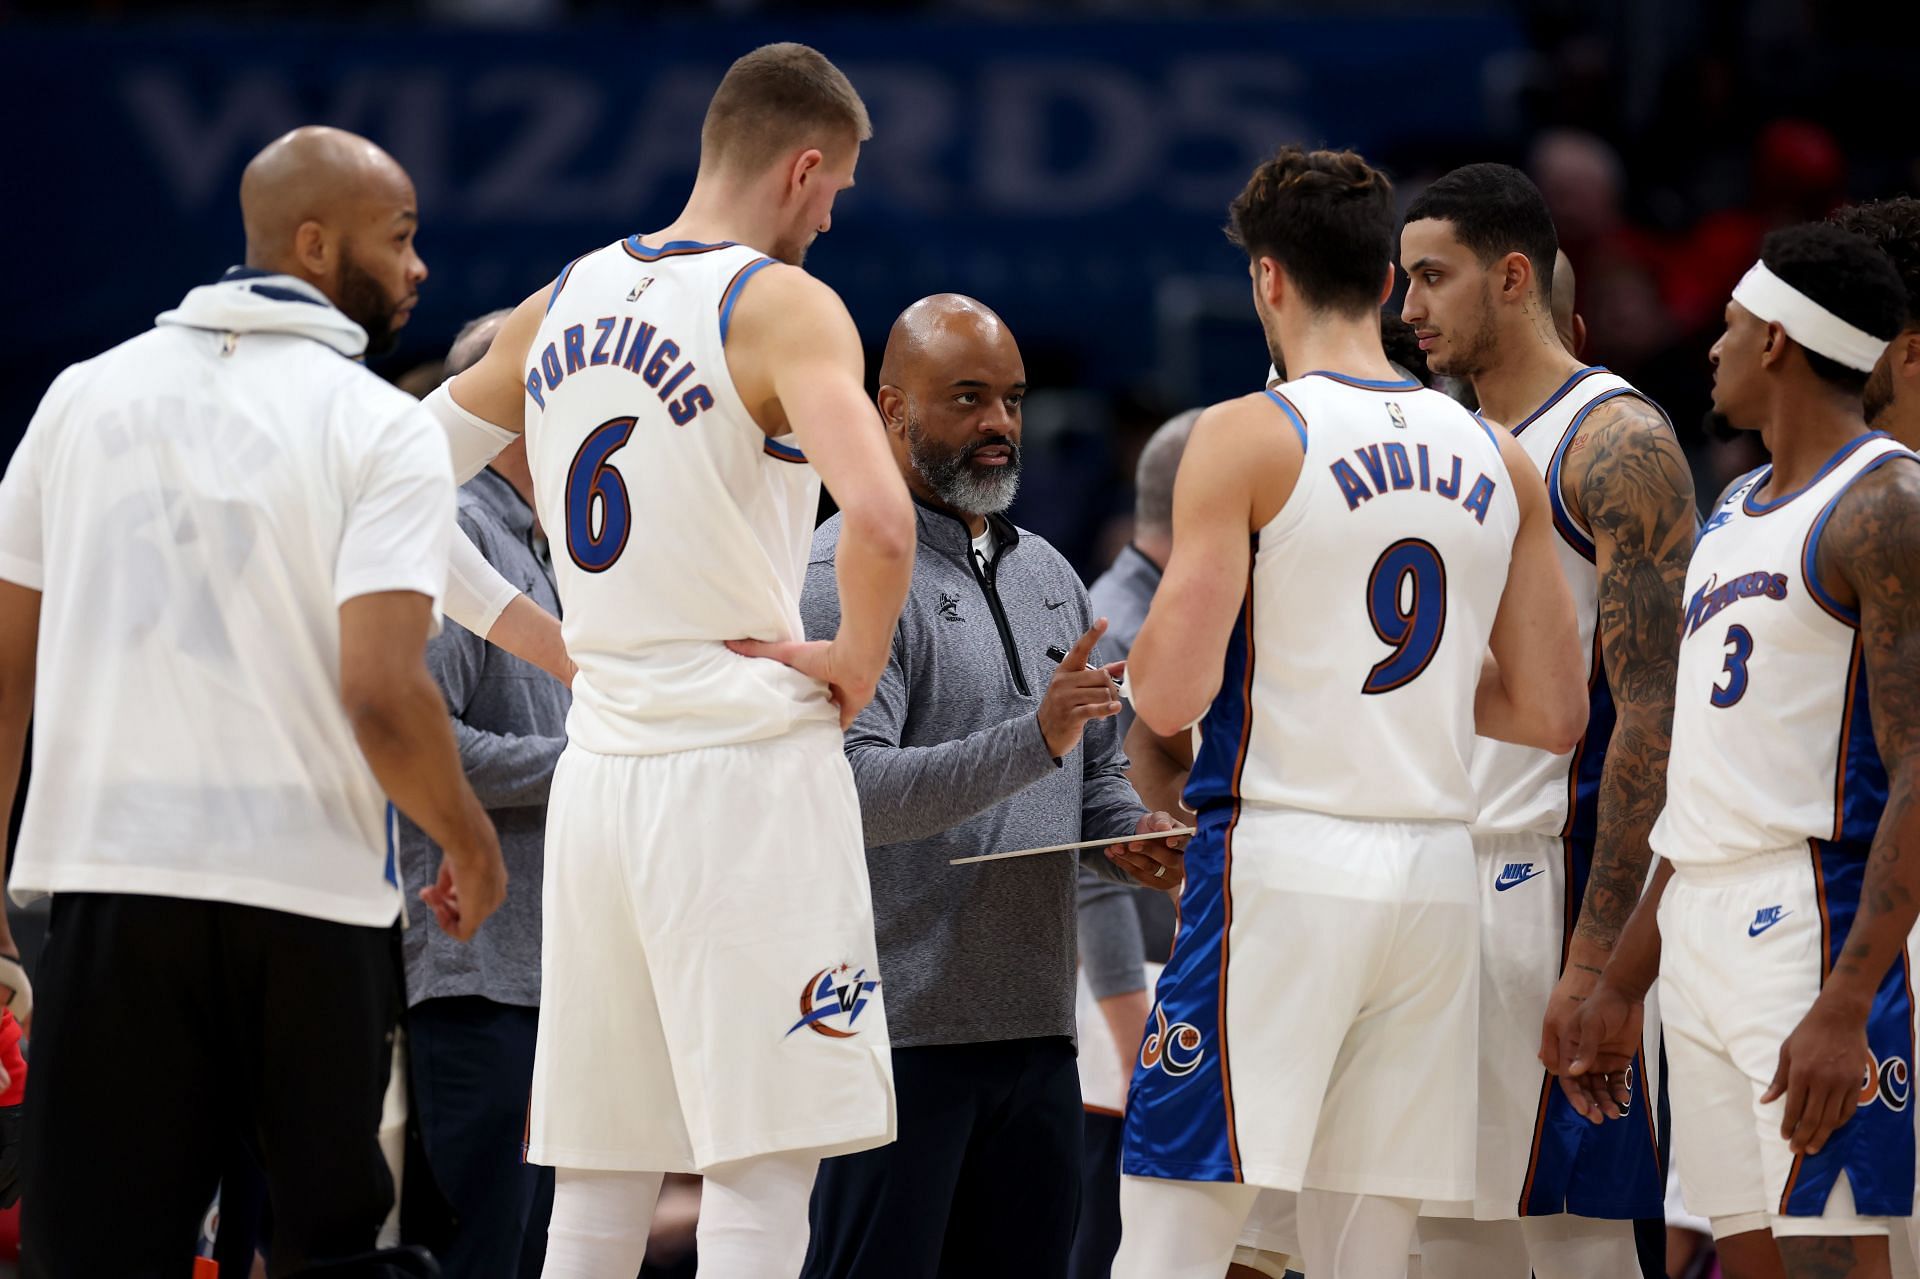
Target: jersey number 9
{"type": "Point", "coordinates": [1407, 604]}
{"type": "Point", "coordinates": [595, 487]}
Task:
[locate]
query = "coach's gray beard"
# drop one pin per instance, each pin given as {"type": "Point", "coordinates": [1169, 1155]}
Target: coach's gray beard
{"type": "Point", "coordinates": [954, 478]}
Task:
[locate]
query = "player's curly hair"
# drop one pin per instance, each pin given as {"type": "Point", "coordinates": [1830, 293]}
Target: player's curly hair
{"type": "Point", "coordinates": [1327, 218]}
{"type": "Point", "coordinates": [1894, 225]}
{"type": "Point", "coordinates": [1846, 273]}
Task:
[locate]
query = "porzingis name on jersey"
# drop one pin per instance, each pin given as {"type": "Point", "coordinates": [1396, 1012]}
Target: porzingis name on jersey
{"type": "Point", "coordinates": [628, 351]}
{"type": "Point", "coordinates": [1712, 596]}
{"type": "Point", "coordinates": [1388, 467]}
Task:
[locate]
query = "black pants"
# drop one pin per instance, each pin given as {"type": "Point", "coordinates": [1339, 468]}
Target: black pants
{"type": "Point", "coordinates": [984, 1179]}
{"type": "Point", "coordinates": [1097, 1240]}
{"type": "Point", "coordinates": [472, 1066]}
{"type": "Point", "coordinates": [168, 1026]}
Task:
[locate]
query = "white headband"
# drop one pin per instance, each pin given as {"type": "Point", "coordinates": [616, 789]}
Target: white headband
{"type": "Point", "coordinates": [1807, 322]}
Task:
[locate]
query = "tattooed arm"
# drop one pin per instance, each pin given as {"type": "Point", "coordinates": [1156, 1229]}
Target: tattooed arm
{"type": "Point", "coordinates": [1869, 557]}
{"type": "Point", "coordinates": [1627, 478]}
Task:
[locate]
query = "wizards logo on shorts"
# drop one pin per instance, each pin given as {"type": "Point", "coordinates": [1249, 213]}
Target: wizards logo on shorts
{"type": "Point", "coordinates": [1886, 1082]}
{"type": "Point", "coordinates": [1175, 1049]}
{"type": "Point", "coordinates": [832, 1000]}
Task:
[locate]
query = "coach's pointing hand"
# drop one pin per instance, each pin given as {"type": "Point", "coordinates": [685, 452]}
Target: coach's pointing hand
{"type": "Point", "coordinates": [1077, 694]}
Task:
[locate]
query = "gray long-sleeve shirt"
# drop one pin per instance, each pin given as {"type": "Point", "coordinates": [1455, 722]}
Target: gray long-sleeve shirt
{"type": "Point", "coordinates": [949, 761]}
{"type": "Point", "coordinates": [1119, 928]}
{"type": "Point", "coordinates": [510, 720]}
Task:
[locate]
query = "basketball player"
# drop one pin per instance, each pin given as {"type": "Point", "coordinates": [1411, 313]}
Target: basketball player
{"type": "Point", "coordinates": [705, 868]}
{"type": "Point", "coordinates": [222, 546]}
{"type": "Point", "coordinates": [1558, 837]}
{"type": "Point", "coordinates": [1779, 916]}
{"type": "Point", "coordinates": [1345, 549]}
{"type": "Point", "coordinates": [1891, 401]}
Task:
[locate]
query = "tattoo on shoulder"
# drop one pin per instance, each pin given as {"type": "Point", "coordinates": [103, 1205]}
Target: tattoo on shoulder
{"type": "Point", "coordinates": [1869, 558]}
{"type": "Point", "coordinates": [1636, 494]}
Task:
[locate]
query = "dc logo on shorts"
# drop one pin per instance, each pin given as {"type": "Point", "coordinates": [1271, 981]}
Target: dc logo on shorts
{"type": "Point", "coordinates": [1175, 1049]}
{"type": "Point", "coordinates": [831, 1002]}
{"type": "Point", "coordinates": [1887, 1082]}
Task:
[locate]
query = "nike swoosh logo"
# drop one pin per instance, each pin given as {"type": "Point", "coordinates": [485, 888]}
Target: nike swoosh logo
{"type": "Point", "coordinates": [1501, 886]}
{"type": "Point", "coordinates": [1754, 930]}
{"type": "Point", "coordinates": [1051, 605]}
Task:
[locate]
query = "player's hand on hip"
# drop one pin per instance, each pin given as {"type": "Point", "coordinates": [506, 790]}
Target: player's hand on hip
{"type": "Point", "coordinates": [468, 889]}
{"type": "Point", "coordinates": [1822, 1064]}
{"type": "Point", "coordinates": [1598, 1079]}
{"type": "Point", "coordinates": [851, 689]}
{"type": "Point", "coordinates": [1077, 694]}
{"type": "Point", "coordinates": [1156, 863]}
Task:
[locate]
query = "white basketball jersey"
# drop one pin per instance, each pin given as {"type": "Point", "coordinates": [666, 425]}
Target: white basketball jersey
{"type": "Point", "coordinates": [1528, 791]}
{"type": "Point", "coordinates": [1772, 742]}
{"type": "Point", "coordinates": [1350, 676]}
{"type": "Point", "coordinates": [678, 524]}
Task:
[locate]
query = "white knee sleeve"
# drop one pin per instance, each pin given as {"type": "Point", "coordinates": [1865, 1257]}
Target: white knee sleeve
{"type": "Point", "coordinates": [1179, 1229]}
{"type": "Point", "coordinates": [1356, 1236]}
{"type": "Point", "coordinates": [1456, 1248]}
{"type": "Point", "coordinates": [753, 1217]}
{"type": "Point", "coordinates": [1564, 1246]}
{"type": "Point", "coordinates": [600, 1222]}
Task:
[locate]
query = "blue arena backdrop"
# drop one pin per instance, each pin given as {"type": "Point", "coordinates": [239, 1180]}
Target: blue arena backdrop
{"type": "Point", "coordinates": [1063, 171]}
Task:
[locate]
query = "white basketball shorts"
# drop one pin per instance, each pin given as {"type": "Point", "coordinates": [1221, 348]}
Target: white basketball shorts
{"type": "Point", "coordinates": [1320, 997]}
{"type": "Point", "coordinates": [709, 985]}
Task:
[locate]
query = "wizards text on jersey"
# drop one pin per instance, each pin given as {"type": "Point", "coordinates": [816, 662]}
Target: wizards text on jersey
{"type": "Point", "coordinates": [1712, 597]}
{"type": "Point", "coordinates": [629, 351]}
{"type": "Point", "coordinates": [1389, 468]}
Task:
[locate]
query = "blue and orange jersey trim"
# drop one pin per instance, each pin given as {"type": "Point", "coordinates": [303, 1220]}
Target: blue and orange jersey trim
{"type": "Point", "coordinates": [1366, 384]}
{"type": "Point", "coordinates": [1752, 506]}
{"type": "Point", "coordinates": [783, 452]}
{"type": "Point", "coordinates": [1810, 549]}
{"type": "Point", "coordinates": [1563, 520]}
{"type": "Point", "coordinates": [1559, 395]}
{"type": "Point", "coordinates": [671, 249]}
{"type": "Point", "coordinates": [1293, 415]}
{"type": "Point", "coordinates": [560, 282]}
{"type": "Point", "coordinates": [732, 293]}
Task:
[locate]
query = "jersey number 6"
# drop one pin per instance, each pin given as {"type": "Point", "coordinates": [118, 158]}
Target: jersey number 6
{"type": "Point", "coordinates": [1407, 604]}
{"type": "Point", "coordinates": [593, 482]}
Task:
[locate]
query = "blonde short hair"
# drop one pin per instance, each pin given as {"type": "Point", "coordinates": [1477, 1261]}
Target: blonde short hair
{"type": "Point", "coordinates": [777, 98]}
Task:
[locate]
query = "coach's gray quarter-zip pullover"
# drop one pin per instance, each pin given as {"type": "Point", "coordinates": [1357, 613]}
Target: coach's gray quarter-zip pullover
{"type": "Point", "coordinates": [950, 762]}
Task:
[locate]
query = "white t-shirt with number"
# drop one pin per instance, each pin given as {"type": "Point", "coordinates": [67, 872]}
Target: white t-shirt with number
{"type": "Point", "coordinates": [195, 505]}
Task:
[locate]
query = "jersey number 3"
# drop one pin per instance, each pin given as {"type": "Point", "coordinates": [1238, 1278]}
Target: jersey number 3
{"type": "Point", "coordinates": [1407, 604]}
{"type": "Point", "coordinates": [595, 488]}
{"type": "Point", "coordinates": [1739, 649]}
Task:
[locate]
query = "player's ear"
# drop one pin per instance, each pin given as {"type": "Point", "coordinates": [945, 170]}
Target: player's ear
{"type": "Point", "coordinates": [1775, 349]}
{"type": "Point", "coordinates": [1386, 285]}
{"type": "Point", "coordinates": [1516, 275]}
{"type": "Point", "coordinates": [1579, 335]}
{"type": "Point", "coordinates": [806, 167]}
{"type": "Point", "coordinates": [1904, 354]}
{"type": "Point", "coordinates": [893, 409]}
{"type": "Point", "coordinates": [313, 248]}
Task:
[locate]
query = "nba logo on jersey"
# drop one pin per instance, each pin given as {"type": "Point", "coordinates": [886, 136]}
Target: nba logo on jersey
{"type": "Point", "coordinates": [1397, 416]}
{"type": "Point", "coordinates": [833, 996]}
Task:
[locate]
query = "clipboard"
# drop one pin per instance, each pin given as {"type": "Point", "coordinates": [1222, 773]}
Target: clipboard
{"type": "Point", "coordinates": [1110, 840]}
